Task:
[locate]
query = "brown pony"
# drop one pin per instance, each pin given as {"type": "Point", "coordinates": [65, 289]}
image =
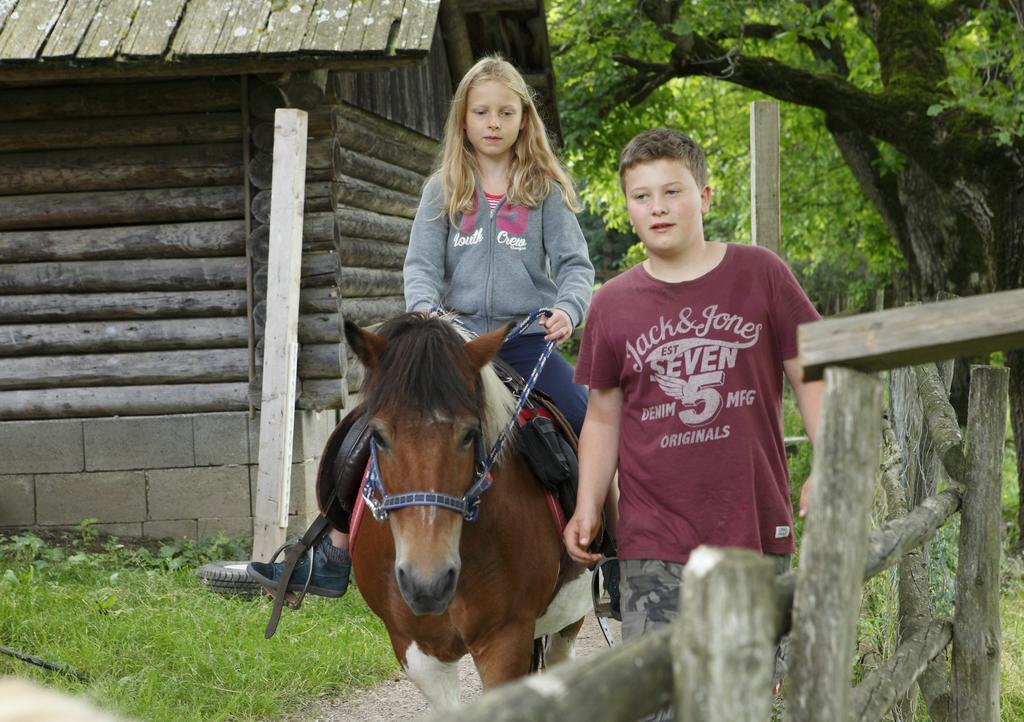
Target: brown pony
{"type": "Point", "coordinates": [446, 585]}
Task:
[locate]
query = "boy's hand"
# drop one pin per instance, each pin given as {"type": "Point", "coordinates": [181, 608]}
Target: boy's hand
{"type": "Point", "coordinates": [558, 326]}
{"type": "Point", "coordinates": [805, 494]}
{"type": "Point", "coordinates": [581, 530]}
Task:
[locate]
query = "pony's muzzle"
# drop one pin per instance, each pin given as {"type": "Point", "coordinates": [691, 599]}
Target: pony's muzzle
{"type": "Point", "coordinates": [430, 595]}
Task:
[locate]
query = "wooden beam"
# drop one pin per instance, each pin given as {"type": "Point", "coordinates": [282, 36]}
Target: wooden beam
{"type": "Point", "coordinates": [915, 334]}
{"type": "Point", "coordinates": [100, 208]}
{"type": "Point", "coordinates": [766, 216]}
{"type": "Point", "coordinates": [722, 642]}
{"type": "Point", "coordinates": [38, 308]}
{"type": "Point", "coordinates": [209, 238]}
{"type": "Point", "coordinates": [976, 634]}
{"type": "Point", "coordinates": [280, 361]}
{"type": "Point", "coordinates": [829, 585]}
{"type": "Point", "coordinates": [62, 403]}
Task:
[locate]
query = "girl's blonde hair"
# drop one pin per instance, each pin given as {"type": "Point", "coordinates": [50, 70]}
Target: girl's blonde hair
{"type": "Point", "coordinates": [534, 165]}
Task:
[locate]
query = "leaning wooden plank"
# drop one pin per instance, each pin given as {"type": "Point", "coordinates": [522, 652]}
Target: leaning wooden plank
{"type": "Point", "coordinates": [199, 29]}
{"type": "Point", "coordinates": [286, 27]}
{"type": "Point", "coordinates": [976, 634]}
{"type": "Point", "coordinates": [243, 27]}
{"type": "Point", "coordinates": [70, 29]}
{"type": "Point", "coordinates": [417, 27]}
{"type": "Point", "coordinates": [119, 369]}
{"type": "Point", "coordinates": [123, 401]}
{"type": "Point", "coordinates": [171, 240]}
{"type": "Point", "coordinates": [829, 587]}
{"type": "Point", "coordinates": [154, 25]}
{"type": "Point", "coordinates": [320, 126]}
{"type": "Point", "coordinates": [942, 423]}
{"type": "Point", "coordinates": [277, 400]}
{"type": "Point", "coordinates": [138, 168]}
{"type": "Point", "coordinates": [880, 690]}
{"type": "Point", "coordinates": [100, 101]}
{"type": "Point", "coordinates": [38, 308]}
{"type": "Point", "coordinates": [27, 27]}
{"type": "Point", "coordinates": [62, 210]}
{"type": "Point", "coordinates": [108, 337]}
{"type": "Point", "coordinates": [148, 274]}
{"type": "Point", "coordinates": [179, 128]}
{"type": "Point", "coordinates": [915, 334]}
{"type": "Point", "coordinates": [108, 29]}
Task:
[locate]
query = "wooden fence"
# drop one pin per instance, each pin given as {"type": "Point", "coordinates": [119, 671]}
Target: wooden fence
{"type": "Point", "coordinates": [715, 662]}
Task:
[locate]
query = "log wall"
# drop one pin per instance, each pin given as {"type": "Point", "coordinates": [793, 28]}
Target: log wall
{"type": "Point", "coordinates": [134, 234]}
{"type": "Point", "coordinates": [122, 249]}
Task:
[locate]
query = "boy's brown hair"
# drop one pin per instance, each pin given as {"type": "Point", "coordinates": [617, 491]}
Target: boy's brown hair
{"type": "Point", "coordinates": [664, 144]}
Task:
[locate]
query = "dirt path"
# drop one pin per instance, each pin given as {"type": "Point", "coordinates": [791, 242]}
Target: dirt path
{"type": "Point", "coordinates": [399, 699]}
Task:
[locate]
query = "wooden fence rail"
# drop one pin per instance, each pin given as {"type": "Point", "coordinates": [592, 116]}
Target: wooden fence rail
{"type": "Point", "coordinates": [709, 673]}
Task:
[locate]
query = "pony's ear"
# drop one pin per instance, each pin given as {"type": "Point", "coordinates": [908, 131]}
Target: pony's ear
{"type": "Point", "coordinates": [368, 347]}
{"type": "Point", "coordinates": [482, 349]}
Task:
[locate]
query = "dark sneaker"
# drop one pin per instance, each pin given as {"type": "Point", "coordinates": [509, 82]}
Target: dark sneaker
{"type": "Point", "coordinates": [331, 570]}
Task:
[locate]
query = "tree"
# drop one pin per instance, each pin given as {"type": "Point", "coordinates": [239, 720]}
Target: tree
{"type": "Point", "coordinates": [921, 99]}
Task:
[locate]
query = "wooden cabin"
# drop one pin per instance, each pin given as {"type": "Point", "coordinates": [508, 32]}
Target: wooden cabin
{"type": "Point", "coordinates": [135, 174]}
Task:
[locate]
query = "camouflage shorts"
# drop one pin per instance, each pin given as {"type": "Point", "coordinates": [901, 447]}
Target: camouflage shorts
{"type": "Point", "coordinates": [650, 599]}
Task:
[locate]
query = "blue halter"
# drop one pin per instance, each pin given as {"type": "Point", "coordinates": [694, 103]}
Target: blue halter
{"type": "Point", "coordinates": [381, 503]}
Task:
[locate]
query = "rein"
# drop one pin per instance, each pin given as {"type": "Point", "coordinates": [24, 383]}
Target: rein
{"type": "Point", "coordinates": [381, 503]}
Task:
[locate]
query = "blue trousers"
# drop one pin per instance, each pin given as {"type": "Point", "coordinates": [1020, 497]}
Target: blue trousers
{"type": "Point", "coordinates": [555, 380]}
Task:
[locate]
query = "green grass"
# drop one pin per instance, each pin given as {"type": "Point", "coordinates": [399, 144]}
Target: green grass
{"type": "Point", "coordinates": [156, 646]}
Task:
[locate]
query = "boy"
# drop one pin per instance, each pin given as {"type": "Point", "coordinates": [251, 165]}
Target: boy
{"type": "Point", "coordinates": [684, 355]}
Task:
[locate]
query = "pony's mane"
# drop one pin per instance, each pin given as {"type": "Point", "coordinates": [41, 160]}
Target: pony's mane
{"type": "Point", "coordinates": [420, 373]}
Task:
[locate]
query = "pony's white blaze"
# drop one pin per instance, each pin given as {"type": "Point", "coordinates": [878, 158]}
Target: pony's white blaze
{"type": "Point", "coordinates": [571, 604]}
{"type": "Point", "coordinates": [437, 680]}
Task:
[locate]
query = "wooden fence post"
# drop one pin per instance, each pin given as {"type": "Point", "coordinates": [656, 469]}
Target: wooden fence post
{"type": "Point", "coordinates": [722, 642]}
{"type": "Point", "coordinates": [766, 215]}
{"type": "Point", "coordinates": [976, 621]}
{"type": "Point", "coordinates": [281, 346]}
{"type": "Point", "coordinates": [828, 590]}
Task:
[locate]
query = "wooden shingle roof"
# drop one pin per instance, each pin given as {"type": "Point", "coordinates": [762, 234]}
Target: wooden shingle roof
{"type": "Point", "coordinates": [41, 35]}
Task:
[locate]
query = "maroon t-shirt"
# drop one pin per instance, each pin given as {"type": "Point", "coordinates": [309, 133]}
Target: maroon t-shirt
{"type": "Point", "coordinates": [701, 457]}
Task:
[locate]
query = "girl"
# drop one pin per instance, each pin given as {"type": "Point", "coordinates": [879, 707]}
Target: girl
{"type": "Point", "coordinates": [496, 235]}
{"type": "Point", "coordinates": [495, 238]}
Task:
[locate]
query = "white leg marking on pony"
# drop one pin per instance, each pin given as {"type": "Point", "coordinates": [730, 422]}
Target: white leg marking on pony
{"type": "Point", "coordinates": [437, 680]}
{"type": "Point", "coordinates": [560, 649]}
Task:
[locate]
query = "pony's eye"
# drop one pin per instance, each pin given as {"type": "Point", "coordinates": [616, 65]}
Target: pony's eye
{"type": "Point", "coordinates": [468, 438]}
{"type": "Point", "coordinates": [378, 439]}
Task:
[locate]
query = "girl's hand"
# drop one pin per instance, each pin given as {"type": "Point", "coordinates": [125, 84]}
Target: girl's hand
{"type": "Point", "coordinates": [558, 326]}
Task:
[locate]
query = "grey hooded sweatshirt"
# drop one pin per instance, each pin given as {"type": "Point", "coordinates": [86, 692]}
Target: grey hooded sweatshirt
{"type": "Point", "coordinates": [492, 267]}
